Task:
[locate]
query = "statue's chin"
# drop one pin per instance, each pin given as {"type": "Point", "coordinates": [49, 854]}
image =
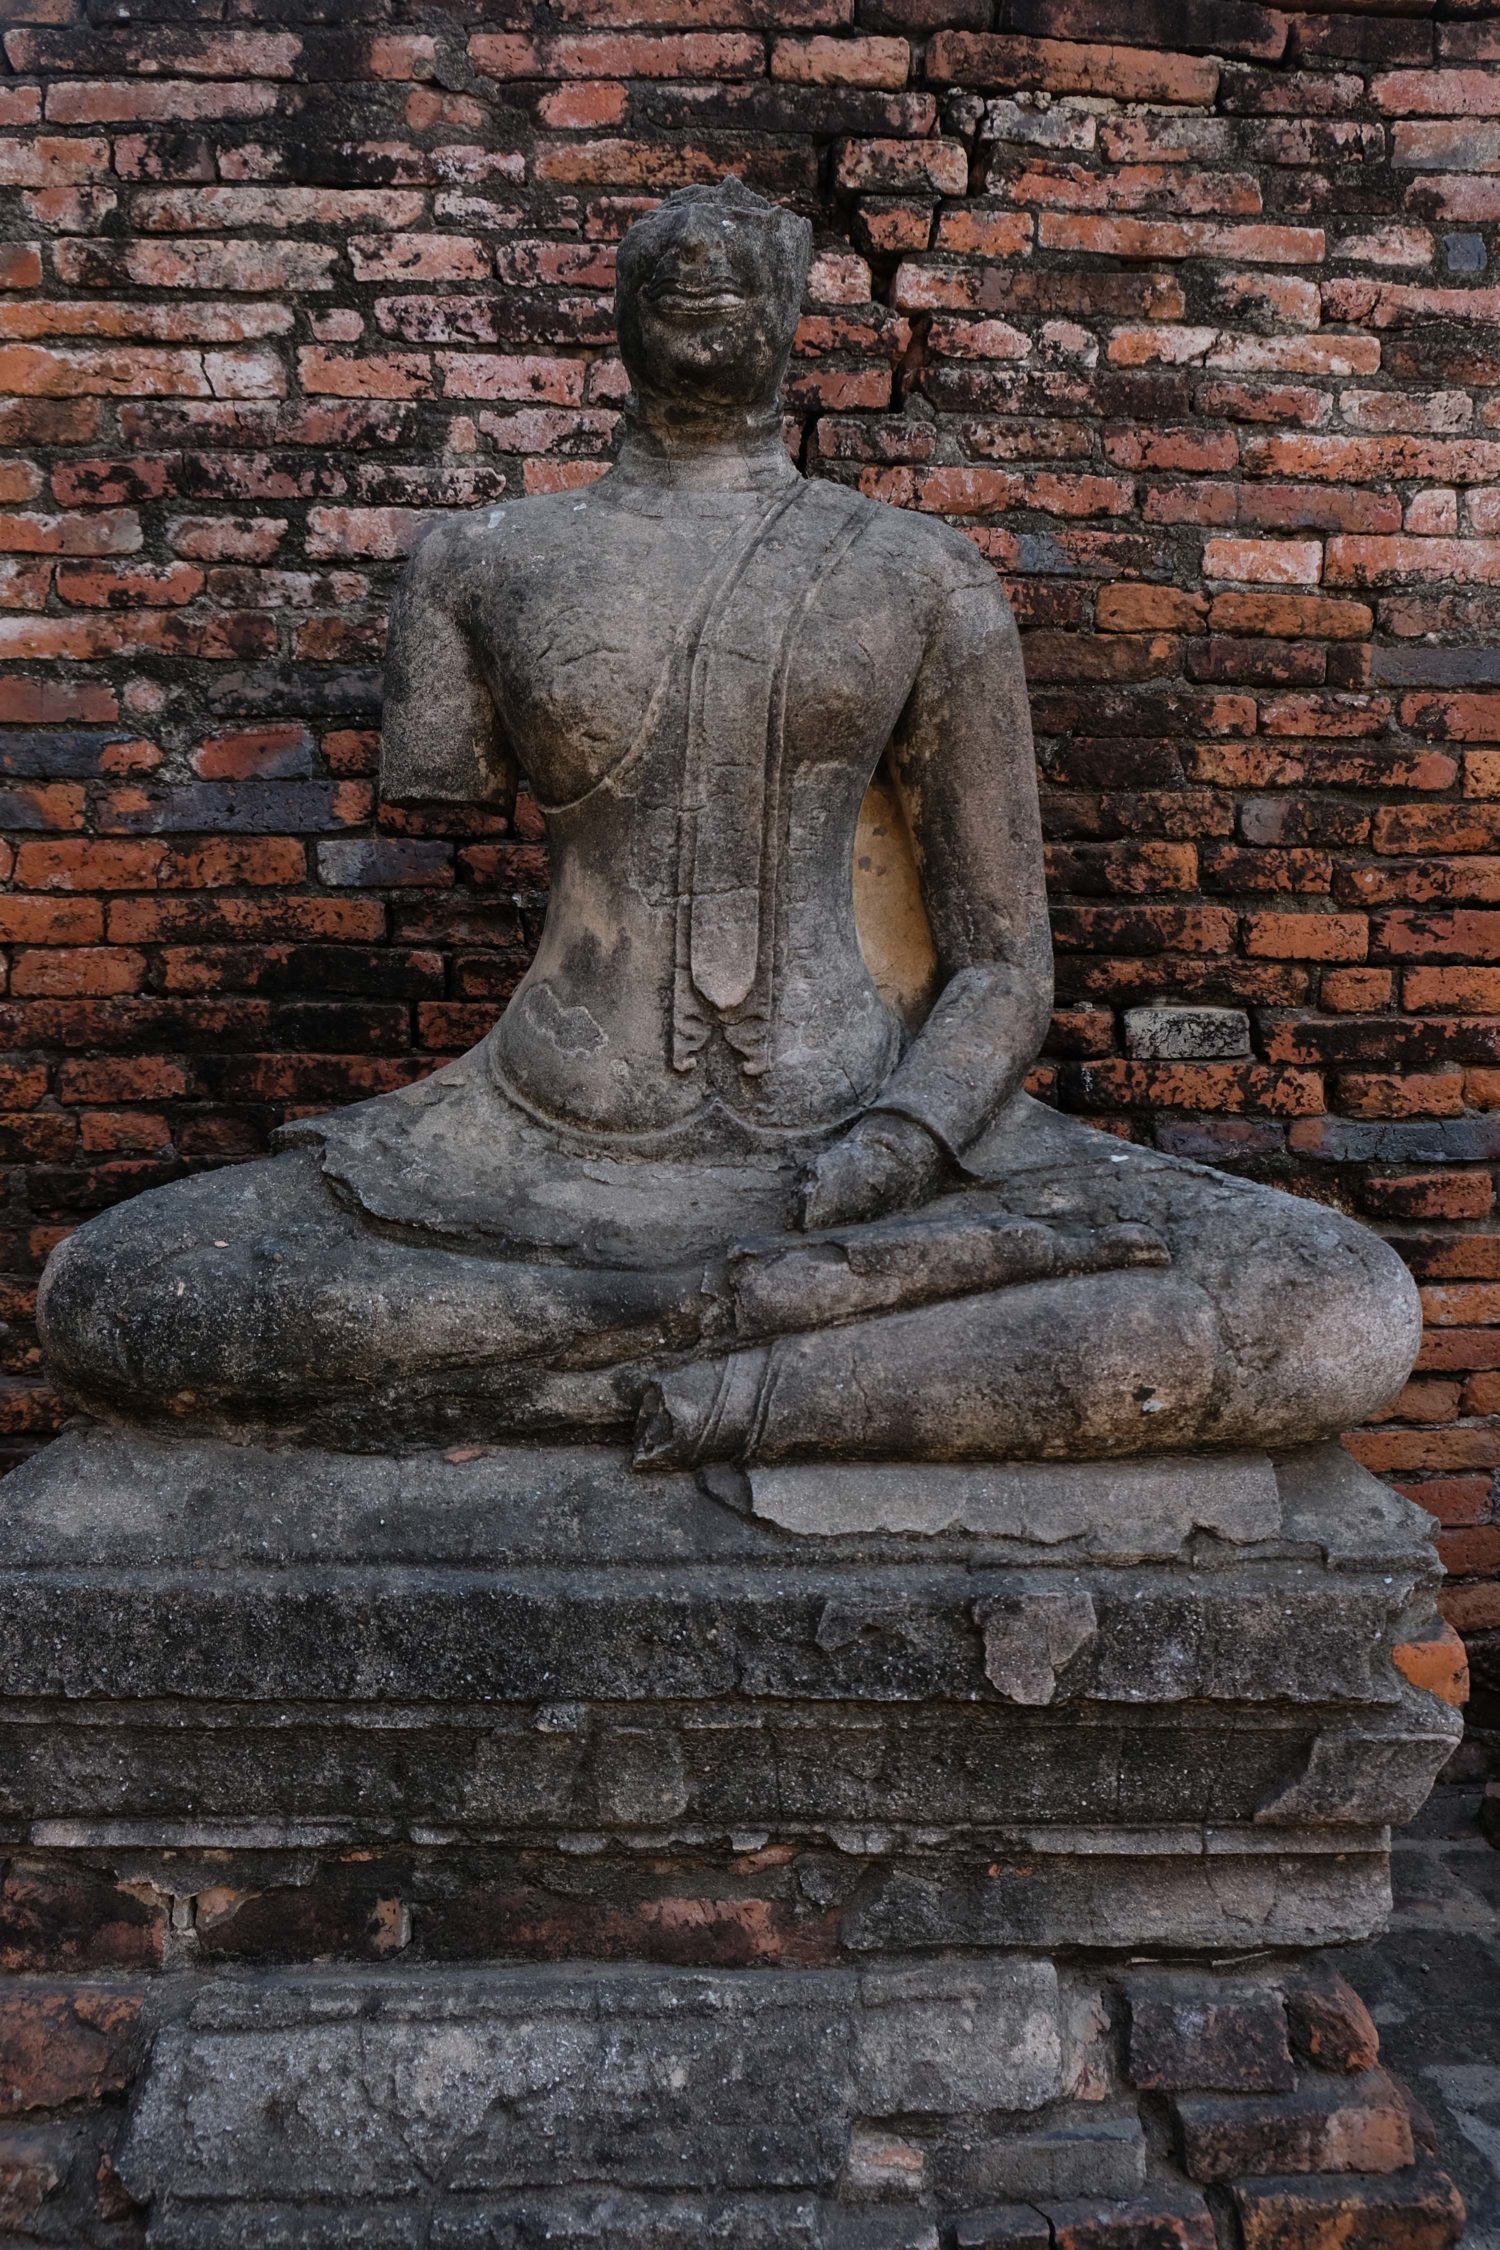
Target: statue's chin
{"type": "Point", "coordinates": [716, 357]}
{"type": "Point", "coordinates": [696, 355]}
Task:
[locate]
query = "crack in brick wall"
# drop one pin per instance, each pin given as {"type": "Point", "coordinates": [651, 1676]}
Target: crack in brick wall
{"type": "Point", "coordinates": [1186, 314]}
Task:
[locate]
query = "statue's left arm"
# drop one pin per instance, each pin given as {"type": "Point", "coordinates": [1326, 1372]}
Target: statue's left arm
{"type": "Point", "coordinates": [962, 763]}
{"type": "Point", "coordinates": [441, 737]}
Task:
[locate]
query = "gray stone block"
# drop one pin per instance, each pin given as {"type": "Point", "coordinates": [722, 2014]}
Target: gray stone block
{"type": "Point", "coordinates": [1125, 1511]}
{"type": "Point", "coordinates": [583, 2219]}
{"type": "Point", "coordinates": [1082, 2155]}
{"type": "Point", "coordinates": [1435, 667]}
{"type": "Point", "coordinates": [136, 1569]}
{"type": "Point", "coordinates": [1176, 1034]}
{"type": "Point", "coordinates": [1383, 1770]}
{"type": "Point", "coordinates": [1192, 1899]}
{"type": "Point", "coordinates": [938, 2039]}
{"type": "Point", "coordinates": [388, 2095]}
{"type": "Point", "coordinates": [211, 1647]}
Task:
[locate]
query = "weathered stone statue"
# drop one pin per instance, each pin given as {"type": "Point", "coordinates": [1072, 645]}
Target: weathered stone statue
{"type": "Point", "coordinates": [702, 1181]}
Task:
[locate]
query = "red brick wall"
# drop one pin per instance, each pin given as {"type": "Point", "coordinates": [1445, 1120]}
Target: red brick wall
{"type": "Point", "coordinates": [1196, 336]}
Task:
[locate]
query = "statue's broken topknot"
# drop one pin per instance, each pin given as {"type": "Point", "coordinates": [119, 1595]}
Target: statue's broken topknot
{"type": "Point", "coordinates": [731, 190]}
{"type": "Point", "coordinates": [730, 198]}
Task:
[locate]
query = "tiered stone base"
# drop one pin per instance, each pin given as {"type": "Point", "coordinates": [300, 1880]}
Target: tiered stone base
{"type": "Point", "coordinates": [503, 1849]}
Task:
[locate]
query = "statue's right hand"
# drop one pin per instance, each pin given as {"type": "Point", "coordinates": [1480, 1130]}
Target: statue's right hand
{"type": "Point", "coordinates": [885, 1162]}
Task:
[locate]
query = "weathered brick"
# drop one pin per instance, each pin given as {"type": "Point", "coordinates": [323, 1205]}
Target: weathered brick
{"type": "Point", "coordinates": [174, 101]}
{"type": "Point", "coordinates": [1166, 2219]}
{"type": "Point", "coordinates": [1307, 937]}
{"type": "Point", "coordinates": [66, 1916]}
{"type": "Point", "coordinates": [211, 208]}
{"type": "Point", "coordinates": [1232, 2041]}
{"type": "Point", "coordinates": [1439, 1665]}
{"type": "Point", "coordinates": [1373, 39]}
{"type": "Point", "coordinates": [1225, 27]}
{"type": "Point", "coordinates": [1009, 2226]}
{"type": "Point", "coordinates": [1290, 616]}
{"type": "Point", "coordinates": [1058, 66]}
{"type": "Point", "coordinates": [1130, 608]}
{"type": "Point", "coordinates": [1264, 562]}
{"type": "Point", "coordinates": [32, 2166]}
{"type": "Point", "coordinates": [1356, 561]}
{"type": "Point", "coordinates": [1420, 2211]}
{"type": "Point", "coordinates": [62, 2043]}
{"type": "Point", "coordinates": [1180, 238]}
{"type": "Point", "coordinates": [897, 167]}
{"type": "Point", "coordinates": [1330, 2025]}
{"type": "Point", "coordinates": [609, 54]}
{"type": "Point", "coordinates": [1430, 1195]}
{"type": "Point", "coordinates": [1335, 2125]}
{"type": "Point", "coordinates": [220, 54]}
{"type": "Point", "coordinates": [869, 61]}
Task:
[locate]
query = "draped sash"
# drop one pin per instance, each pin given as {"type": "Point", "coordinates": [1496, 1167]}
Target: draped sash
{"type": "Point", "coordinates": [731, 829]}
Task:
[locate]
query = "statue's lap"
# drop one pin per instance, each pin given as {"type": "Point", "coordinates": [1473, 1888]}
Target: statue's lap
{"type": "Point", "coordinates": [547, 1288]}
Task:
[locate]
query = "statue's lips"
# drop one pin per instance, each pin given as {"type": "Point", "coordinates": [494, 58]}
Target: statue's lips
{"type": "Point", "coordinates": [695, 304]}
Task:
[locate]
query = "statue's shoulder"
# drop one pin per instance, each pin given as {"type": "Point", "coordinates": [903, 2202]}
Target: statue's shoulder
{"type": "Point", "coordinates": [452, 547]}
{"type": "Point", "coordinates": [931, 558]}
{"type": "Point", "coordinates": [447, 546]}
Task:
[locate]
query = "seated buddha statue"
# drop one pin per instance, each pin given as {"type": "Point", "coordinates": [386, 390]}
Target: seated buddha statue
{"type": "Point", "coordinates": [730, 1180]}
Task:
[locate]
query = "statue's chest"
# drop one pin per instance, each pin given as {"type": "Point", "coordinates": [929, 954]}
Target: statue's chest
{"type": "Point", "coordinates": [596, 648]}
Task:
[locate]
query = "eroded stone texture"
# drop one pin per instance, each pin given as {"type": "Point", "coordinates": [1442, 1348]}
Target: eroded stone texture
{"type": "Point", "coordinates": [62, 2043]}
{"type": "Point", "coordinates": [1227, 2039]}
{"type": "Point", "coordinates": [1139, 1511]}
{"type": "Point", "coordinates": [686, 1878]}
{"type": "Point", "coordinates": [706, 1182]}
{"type": "Point", "coordinates": [535, 2079]}
{"type": "Point", "coordinates": [1030, 1638]}
{"type": "Point", "coordinates": [1175, 1034]}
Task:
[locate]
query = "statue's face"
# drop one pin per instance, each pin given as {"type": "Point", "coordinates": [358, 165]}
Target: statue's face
{"type": "Point", "coordinates": [707, 300]}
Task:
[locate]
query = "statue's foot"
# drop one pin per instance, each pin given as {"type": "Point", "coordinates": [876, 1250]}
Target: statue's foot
{"type": "Point", "coordinates": [1277, 1323]}
{"type": "Point", "coordinates": [656, 1438]}
{"type": "Point", "coordinates": [708, 1410]}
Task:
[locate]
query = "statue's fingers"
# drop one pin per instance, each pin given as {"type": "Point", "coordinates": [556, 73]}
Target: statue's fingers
{"type": "Point", "coordinates": [836, 1193]}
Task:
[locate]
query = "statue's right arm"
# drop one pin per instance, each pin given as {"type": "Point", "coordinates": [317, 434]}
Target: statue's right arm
{"type": "Point", "coordinates": [440, 736]}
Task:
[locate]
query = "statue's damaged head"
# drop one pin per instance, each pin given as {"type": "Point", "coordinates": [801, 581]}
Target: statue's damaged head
{"type": "Point", "coordinates": [707, 298]}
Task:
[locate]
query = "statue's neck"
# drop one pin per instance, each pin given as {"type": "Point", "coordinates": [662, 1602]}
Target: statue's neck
{"type": "Point", "coordinates": [666, 450]}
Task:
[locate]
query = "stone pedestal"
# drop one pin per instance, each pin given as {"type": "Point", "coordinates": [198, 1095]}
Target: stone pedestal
{"type": "Point", "coordinates": [499, 1847]}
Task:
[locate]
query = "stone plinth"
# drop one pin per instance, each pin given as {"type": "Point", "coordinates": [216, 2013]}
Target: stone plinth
{"type": "Point", "coordinates": [501, 1847]}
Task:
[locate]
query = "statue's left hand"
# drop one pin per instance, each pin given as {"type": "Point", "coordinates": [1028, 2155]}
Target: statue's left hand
{"type": "Point", "coordinates": [884, 1163]}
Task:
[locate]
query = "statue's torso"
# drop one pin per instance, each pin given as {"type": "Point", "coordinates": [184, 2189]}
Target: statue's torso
{"type": "Point", "coordinates": [697, 687]}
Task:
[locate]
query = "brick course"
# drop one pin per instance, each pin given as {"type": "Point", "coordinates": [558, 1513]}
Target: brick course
{"type": "Point", "coordinates": [1186, 316]}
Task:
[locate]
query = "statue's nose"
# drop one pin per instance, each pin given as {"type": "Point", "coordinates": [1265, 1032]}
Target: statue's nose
{"type": "Point", "coordinates": [697, 256]}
